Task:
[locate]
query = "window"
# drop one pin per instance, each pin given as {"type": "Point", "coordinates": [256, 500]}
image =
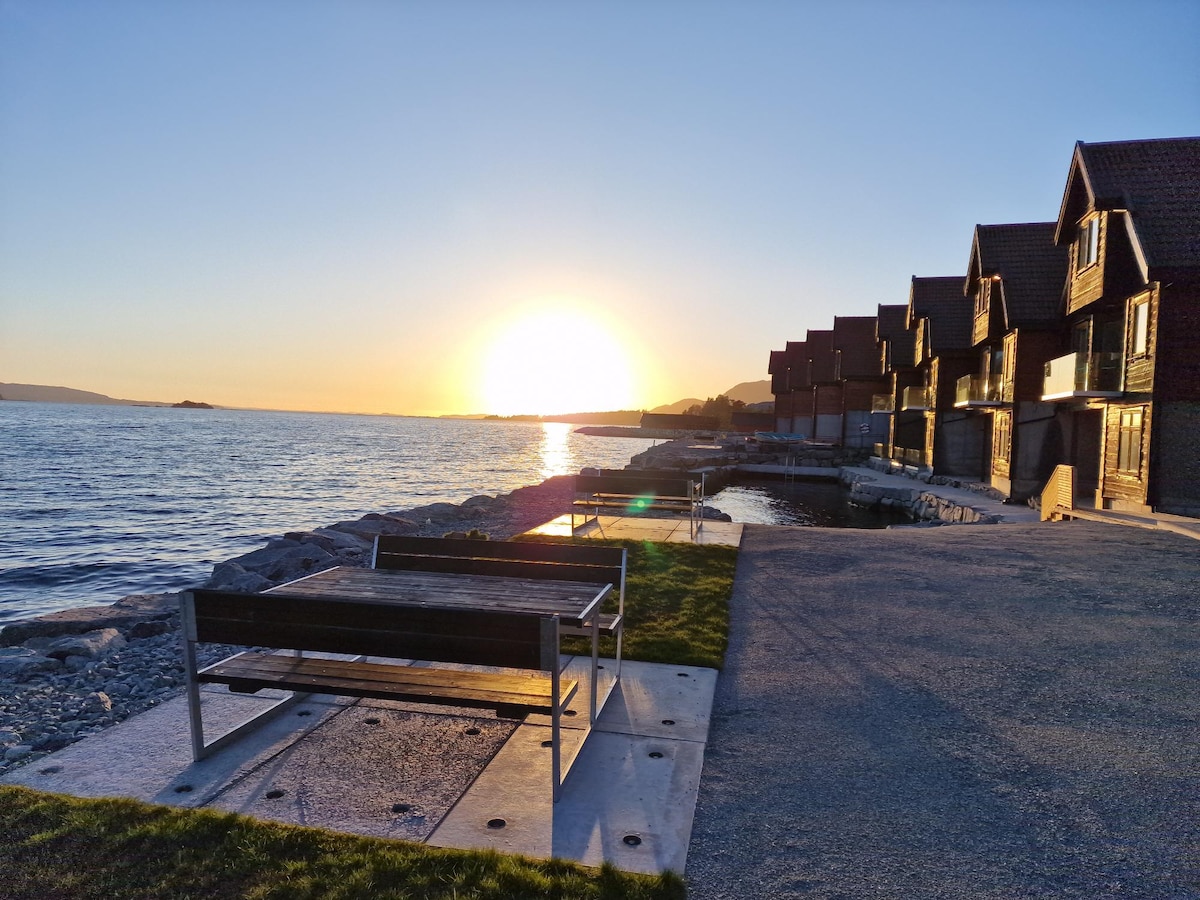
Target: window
{"type": "Point", "coordinates": [1141, 327]}
{"type": "Point", "coordinates": [1129, 441]}
{"type": "Point", "coordinates": [982, 296]}
{"type": "Point", "coordinates": [1001, 436]}
{"type": "Point", "coordinates": [1088, 250]}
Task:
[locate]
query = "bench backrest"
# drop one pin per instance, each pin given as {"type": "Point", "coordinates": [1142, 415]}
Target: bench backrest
{"type": "Point", "coordinates": [640, 485]}
{"type": "Point", "coordinates": [335, 625]}
{"type": "Point", "coordinates": [514, 559]}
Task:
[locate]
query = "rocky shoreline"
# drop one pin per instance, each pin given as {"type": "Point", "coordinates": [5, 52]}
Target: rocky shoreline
{"type": "Point", "coordinates": [70, 674]}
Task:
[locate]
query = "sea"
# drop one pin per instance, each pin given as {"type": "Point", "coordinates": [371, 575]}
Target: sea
{"type": "Point", "coordinates": [97, 502]}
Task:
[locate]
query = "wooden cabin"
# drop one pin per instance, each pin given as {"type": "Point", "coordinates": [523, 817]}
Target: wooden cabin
{"type": "Point", "coordinates": [1126, 385]}
{"type": "Point", "coordinates": [897, 364]}
{"type": "Point", "coordinates": [940, 317]}
{"type": "Point", "coordinates": [792, 387]}
{"type": "Point", "coordinates": [1014, 282]}
{"type": "Point", "coordinates": [857, 369]}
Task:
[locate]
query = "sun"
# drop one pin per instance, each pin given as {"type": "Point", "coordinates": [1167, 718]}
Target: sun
{"type": "Point", "coordinates": [555, 360]}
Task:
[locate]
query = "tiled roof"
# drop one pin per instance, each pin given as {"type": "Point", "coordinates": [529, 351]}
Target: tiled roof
{"type": "Point", "coordinates": [951, 313]}
{"type": "Point", "coordinates": [1158, 181]}
{"type": "Point", "coordinates": [1032, 269]}
{"type": "Point", "coordinates": [854, 339]}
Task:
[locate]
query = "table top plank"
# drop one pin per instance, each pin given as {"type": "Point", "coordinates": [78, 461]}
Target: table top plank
{"type": "Point", "coordinates": [572, 602]}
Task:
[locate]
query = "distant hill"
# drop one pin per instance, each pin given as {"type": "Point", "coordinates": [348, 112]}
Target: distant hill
{"type": "Point", "coordinates": [748, 392]}
{"type": "Point", "coordinates": [751, 392]}
{"type": "Point", "coordinates": [40, 393]}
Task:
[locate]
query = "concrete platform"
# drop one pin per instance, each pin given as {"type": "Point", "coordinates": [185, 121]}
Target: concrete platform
{"type": "Point", "coordinates": [664, 530]}
{"type": "Point", "coordinates": [428, 774]}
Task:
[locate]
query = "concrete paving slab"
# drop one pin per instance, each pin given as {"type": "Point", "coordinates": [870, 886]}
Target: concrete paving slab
{"type": "Point", "coordinates": [627, 800]}
{"type": "Point", "coordinates": [661, 701]}
{"type": "Point", "coordinates": [149, 757]}
{"type": "Point", "coordinates": [726, 534]}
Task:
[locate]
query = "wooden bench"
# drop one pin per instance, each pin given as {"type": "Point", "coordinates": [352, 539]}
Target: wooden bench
{"type": "Point", "coordinates": [635, 491]}
{"type": "Point", "coordinates": [521, 559]}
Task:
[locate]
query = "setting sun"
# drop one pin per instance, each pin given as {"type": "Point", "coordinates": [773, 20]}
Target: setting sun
{"type": "Point", "coordinates": [555, 361]}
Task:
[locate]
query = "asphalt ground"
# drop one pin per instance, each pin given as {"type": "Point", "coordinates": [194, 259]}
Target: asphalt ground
{"type": "Point", "coordinates": [1001, 711]}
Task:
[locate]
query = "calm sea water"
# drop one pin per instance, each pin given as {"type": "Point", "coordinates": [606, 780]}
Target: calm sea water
{"type": "Point", "coordinates": [97, 502]}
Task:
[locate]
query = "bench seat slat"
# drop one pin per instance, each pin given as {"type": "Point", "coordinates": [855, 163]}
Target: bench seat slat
{"type": "Point", "coordinates": [252, 672]}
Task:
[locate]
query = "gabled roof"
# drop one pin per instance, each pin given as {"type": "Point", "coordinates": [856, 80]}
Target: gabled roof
{"type": "Point", "coordinates": [890, 321]}
{"type": "Point", "coordinates": [1031, 267]}
{"type": "Point", "coordinates": [820, 351]}
{"type": "Point", "coordinates": [1157, 182]}
{"type": "Point", "coordinates": [892, 326]}
{"type": "Point", "coordinates": [951, 314]}
{"type": "Point", "coordinates": [854, 340]}
{"type": "Point", "coordinates": [796, 363]}
{"type": "Point", "coordinates": [777, 363]}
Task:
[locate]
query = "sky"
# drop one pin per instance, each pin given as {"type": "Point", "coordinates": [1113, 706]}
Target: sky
{"type": "Point", "coordinates": [517, 206]}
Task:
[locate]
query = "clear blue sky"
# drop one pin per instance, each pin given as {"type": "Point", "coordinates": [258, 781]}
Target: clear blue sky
{"type": "Point", "coordinates": [345, 205]}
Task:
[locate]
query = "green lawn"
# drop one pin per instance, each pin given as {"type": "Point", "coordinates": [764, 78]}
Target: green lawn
{"type": "Point", "coordinates": [676, 602]}
{"type": "Point", "coordinates": [59, 847]}
{"type": "Point", "coordinates": [677, 611]}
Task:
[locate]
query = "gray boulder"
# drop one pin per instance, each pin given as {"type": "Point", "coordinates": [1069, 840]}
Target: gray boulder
{"type": "Point", "coordinates": [366, 528]}
{"type": "Point", "coordinates": [90, 645]}
{"type": "Point", "coordinates": [445, 512]}
{"type": "Point", "coordinates": [17, 662]}
{"type": "Point", "coordinates": [283, 560]}
{"type": "Point", "coordinates": [229, 576]}
{"type": "Point", "coordinates": [123, 615]}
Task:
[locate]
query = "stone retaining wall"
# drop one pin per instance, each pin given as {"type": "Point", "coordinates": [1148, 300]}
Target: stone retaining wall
{"type": "Point", "coordinates": [915, 502]}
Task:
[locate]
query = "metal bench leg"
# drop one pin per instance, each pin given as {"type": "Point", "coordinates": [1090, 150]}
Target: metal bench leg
{"type": "Point", "coordinates": [556, 735]}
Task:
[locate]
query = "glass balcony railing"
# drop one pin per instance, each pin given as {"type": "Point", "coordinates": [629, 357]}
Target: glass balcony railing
{"type": "Point", "coordinates": [916, 398]}
{"type": "Point", "coordinates": [1083, 375]}
{"type": "Point", "coordinates": [975, 391]}
{"type": "Point", "coordinates": [883, 403]}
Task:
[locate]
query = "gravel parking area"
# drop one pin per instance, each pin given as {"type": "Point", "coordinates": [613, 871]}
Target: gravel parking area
{"type": "Point", "coordinates": [967, 712]}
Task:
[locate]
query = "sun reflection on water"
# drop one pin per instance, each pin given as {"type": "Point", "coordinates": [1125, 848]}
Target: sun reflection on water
{"type": "Point", "coordinates": [555, 453]}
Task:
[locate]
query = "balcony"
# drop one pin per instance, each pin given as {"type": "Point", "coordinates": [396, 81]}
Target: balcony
{"type": "Point", "coordinates": [883, 403]}
{"type": "Point", "coordinates": [974, 392]}
{"type": "Point", "coordinates": [917, 398]}
{"type": "Point", "coordinates": [1083, 376]}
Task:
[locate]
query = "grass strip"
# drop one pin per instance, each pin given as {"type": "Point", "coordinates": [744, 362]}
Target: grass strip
{"type": "Point", "coordinates": [72, 849]}
{"type": "Point", "coordinates": [676, 602]}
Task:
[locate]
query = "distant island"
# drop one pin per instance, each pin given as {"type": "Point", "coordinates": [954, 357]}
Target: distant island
{"type": "Point", "coordinates": [192, 404]}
